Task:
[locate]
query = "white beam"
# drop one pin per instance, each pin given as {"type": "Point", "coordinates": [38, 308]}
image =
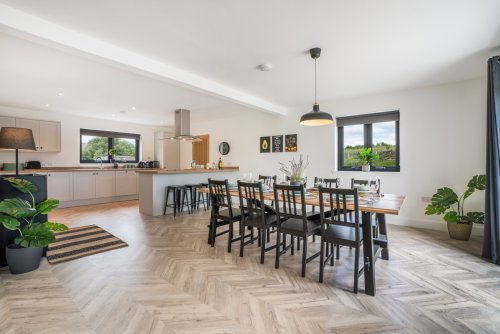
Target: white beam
{"type": "Point", "coordinates": [19, 21]}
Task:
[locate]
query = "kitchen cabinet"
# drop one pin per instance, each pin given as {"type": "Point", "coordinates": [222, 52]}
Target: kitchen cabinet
{"type": "Point", "coordinates": [126, 183]}
{"type": "Point", "coordinates": [47, 134]}
{"type": "Point", "coordinates": [7, 121]}
{"type": "Point", "coordinates": [60, 186]}
{"type": "Point", "coordinates": [83, 185]}
{"type": "Point", "coordinates": [104, 184]}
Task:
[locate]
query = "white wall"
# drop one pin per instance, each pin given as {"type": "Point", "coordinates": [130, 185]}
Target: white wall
{"type": "Point", "coordinates": [442, 133]}
{"type": "Point", "coordinates": [70, 136]}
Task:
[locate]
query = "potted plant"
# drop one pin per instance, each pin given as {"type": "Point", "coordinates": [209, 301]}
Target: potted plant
{"type": "Point", "coordinates": [367, 157]}
{"type": "Point", "coordinates": [112, 153]}
{"type": "Point", "coordinates": [17, 214]}
{"type": "Point", "coordinates": [295, 170]}
{"type": "Point", "coordinates": [446, 201]}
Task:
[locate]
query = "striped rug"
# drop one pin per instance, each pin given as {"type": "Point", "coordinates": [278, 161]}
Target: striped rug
{"type": "Point", "coordinates": [81, 241]}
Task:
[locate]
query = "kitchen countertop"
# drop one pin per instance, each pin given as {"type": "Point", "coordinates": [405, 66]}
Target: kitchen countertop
{"type": "Point", "coordinates": [187, 171]}
{"type": "Point", "coordinates": [110, 169]}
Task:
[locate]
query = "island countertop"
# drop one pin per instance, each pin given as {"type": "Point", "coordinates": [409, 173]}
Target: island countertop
{"type": "Point", "coordinates": [187, 171]}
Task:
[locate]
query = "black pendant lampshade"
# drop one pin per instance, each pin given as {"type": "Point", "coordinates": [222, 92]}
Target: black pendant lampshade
{"type": "Point", "coordinates": [316, 117]}
{"type": "Point", "coordinates": [17, 138]}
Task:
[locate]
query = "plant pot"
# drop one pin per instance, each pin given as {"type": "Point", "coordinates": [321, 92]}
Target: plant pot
{"type": "Point", "coordinates": [295, 183]}
{"type": "Point", "coordinates": [459, 231]}
{"type": "Point", "coordinates": [22, 260]}
{"type": "Point", "coordinates": [365, 168]}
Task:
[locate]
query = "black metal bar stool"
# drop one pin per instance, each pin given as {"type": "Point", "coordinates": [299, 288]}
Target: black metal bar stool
{"type": "Point", "coordinates": [195, 202]}
{"type": "Point", "coordinates": [180, 195]}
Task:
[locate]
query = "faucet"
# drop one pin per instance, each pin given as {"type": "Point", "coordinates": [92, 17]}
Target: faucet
{"type": "Point", "coordinates": [100, 161]}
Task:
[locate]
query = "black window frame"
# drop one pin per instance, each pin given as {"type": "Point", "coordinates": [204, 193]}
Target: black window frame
{"type": "Point", "coordinates": [367, 120]}
{"type": "Point", "coordinates": [110, 135]}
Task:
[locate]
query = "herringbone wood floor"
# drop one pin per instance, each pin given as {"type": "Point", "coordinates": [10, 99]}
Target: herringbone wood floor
{"type": "Point", "coordinates": [170, 281]}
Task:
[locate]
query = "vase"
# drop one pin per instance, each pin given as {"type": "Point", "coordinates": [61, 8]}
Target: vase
{"type": "Point", "coordinates": [22, 260]}
{"type": "Point", "coordinates": [365, 168]}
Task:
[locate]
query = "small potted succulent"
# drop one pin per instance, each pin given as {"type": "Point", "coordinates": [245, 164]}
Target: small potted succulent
{"type": "Point", "coordinates": [367, 157]}
{"type": "Point", "coordinates": [446, 202]}
{"type": "Point", "coordinates": [295, 171]}
{"type": "Point", "coordinates": [17, 214]}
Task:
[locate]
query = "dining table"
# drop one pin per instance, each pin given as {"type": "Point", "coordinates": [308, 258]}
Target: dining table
{"type": "Point", "coordinates": [372, 206]}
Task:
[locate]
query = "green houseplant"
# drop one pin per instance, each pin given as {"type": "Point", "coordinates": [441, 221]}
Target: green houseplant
{"type": "Point", "coordinates": [367, 157]}
{"type": "Point", "coordinates": [19, 215]}
{"type": "Point", "coordinates": [295, 170]}
{"type": "Point", "coordinates": [447, 203]}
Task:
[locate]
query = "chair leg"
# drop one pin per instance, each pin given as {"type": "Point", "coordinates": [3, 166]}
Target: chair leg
{"type": "Point", "coordinates": [314, 238]}
{"type": "Point", "coordinates": [166, 202]}
{"type": "Point", "coordinates": [214, 231]}
{"type": "Point", "coordinates": [278, 250]}
{"type": "Point", "coordinates": [292, 242]}
{"type": "Point", "coordinates": [338, 252]}
{"type": "Point", "coordinates": [356, 269]}
{"type": "Point", "coordinates": [263, 244]}
{"type": "Point", "coordinates": [230, 239]}
{"type": "Point", "coordinates": [304, 257]}
{"type": "Point", "coordinates": [268, 234]}
{"type": "Point", "coordinates": [322, 259]}
{"type": "Point", "coordinates": [298, 243]}
{"type": "Point", "coordinates": [175, 201]}
{"type": "Point", "coordinates": [332, 250]}
{"type": "Point", "coordinates": [242, 241]}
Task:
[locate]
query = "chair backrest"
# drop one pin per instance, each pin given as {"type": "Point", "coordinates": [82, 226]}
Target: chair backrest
{"type": "Point", "coordinates": [336, 200]}
{"type": "Point", "coordinates": [359, 182]}
{"type": "Point", "coordinates": [219, 193]}
{"type": "Point", "coordinates": [269, 180]}
{"type": "Point", "coordinates": [251, 197]}
{"type": "Point", "coordinates": [329, 183]}
{"type": "Point", "coordinates": [293, 205]}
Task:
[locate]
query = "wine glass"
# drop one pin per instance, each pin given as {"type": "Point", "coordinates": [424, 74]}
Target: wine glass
{"type": "Point", "coordinates": [244, 176]}
{"type": "Point", "coordinates": [250, 178]}
{"type": "Point", "coordinates": [340, 182]}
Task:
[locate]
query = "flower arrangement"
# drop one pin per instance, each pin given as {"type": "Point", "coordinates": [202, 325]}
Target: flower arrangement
{"type": "Point", "coordinates": [295, 170]}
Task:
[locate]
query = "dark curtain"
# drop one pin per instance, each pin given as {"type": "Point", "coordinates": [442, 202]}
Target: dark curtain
{"type": "Point", "coordinates": [491, 245]}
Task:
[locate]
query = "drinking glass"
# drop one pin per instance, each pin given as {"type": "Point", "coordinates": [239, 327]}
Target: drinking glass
{"type": "Point", "coordinates": [250, 178]}
{"type": "Point", "coordinates": [340, 182]}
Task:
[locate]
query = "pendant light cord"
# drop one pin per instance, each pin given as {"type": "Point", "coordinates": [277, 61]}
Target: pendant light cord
{"type": "Point", "coordinates": [315, 88]}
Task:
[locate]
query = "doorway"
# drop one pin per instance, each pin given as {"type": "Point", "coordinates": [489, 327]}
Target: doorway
{"type": "Point", "coordinates": [201, 150]}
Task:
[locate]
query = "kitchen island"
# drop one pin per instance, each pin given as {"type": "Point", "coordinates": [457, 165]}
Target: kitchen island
{"type": "Point", "coordinates": [152, 184]}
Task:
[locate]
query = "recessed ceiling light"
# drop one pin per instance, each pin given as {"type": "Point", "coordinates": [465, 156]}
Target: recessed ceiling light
{"type": "Point", "coordinates": [133, 108]}
{"type": "Point", "coordinates": [265, 67]}
{"type": "Point", "coordinates": [60, 94]}
{"type": "Point", "coordinates": [47, 105]}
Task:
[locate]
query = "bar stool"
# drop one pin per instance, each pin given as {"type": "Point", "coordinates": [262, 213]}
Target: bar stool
{"type": "Point", "coordinates": [180, 194]}
{"type": "Point", "coordinates": [207, 195]}
{"type": "Point", "coordinates": [193, 191]}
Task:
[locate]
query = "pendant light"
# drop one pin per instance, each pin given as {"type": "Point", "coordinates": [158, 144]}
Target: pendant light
{"type": "Point", "coordinates": [316, 117]}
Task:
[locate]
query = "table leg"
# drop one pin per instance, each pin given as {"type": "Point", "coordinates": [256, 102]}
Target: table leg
{"type": "Point", "coordinates": [368, 261]}
{"type": "Point", "coordinates": [383, 230]}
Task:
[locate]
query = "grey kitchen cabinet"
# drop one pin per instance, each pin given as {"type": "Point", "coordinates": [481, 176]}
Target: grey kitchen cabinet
{"type": "Point", "coordinates": [7, 121]}
{"type": "Point", "coordinates": [60, 186]}
{"type": "Point", "coordinates": [83, 185]}
{"type": "Point", "coordinates": [126, 183]}
{"type": "Point", "coordinates": [47, 134]}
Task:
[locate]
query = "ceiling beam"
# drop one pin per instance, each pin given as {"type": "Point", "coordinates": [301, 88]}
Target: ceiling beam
{"type": "Point", "coordinates": [17, 21]}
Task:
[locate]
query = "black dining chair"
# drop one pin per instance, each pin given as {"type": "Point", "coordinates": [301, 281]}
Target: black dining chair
{"type": "Point", "coordinates": [340, 229]}
{"type": "Point", "coordinates": [254, 215]}
{"type": "Point", "coordinates": [329, 183]}
{"type": "Point", "coordinates": [223, 213]}
{"type": "Point", "coordinates": [269, 180]}
{"type": "Point", "coordinates": [292, 219]}
{"type": "Point", "coordinates": [363, 182]}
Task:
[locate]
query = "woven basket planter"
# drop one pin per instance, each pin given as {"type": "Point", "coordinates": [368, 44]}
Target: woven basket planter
{"type": "Point", "coordinates": [460, 231]}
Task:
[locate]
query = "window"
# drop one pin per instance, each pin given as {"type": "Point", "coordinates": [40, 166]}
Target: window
{"type": "Point", "coordinates": [96, 144]}
{"type": "Point", "coordinates": [379, 131]}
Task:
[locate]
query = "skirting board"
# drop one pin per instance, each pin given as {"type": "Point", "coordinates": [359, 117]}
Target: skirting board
{"type": "Point", "coordinates": [477, 230]}
{"type": "Point", "coordinates": [69, 204]}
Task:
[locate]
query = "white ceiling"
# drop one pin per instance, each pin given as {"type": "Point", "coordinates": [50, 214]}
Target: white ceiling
{"type": "Point", "coordinates": [368, 47]}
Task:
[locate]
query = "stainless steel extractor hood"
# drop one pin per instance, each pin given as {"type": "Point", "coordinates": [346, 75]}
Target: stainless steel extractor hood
{"type": "Point", "coordinates": [182, 126]}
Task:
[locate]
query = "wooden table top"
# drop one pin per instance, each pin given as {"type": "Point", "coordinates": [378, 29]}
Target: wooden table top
{"type": "Point", "coordinates": [386, 203]}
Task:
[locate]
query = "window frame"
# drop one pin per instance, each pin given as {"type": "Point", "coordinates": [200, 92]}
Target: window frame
{"type": "Point", "coordinates": [110, 136]}
{"type": "Point", "coordinates": [367, 120]}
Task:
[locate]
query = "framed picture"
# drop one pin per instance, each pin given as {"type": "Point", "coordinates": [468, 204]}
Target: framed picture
{"type": "Point", "coordinates": [278, 143]}
{"type": "Point", "coordinates": [291, 143]}
{"type": "Point", "coordinates": [265, 144]}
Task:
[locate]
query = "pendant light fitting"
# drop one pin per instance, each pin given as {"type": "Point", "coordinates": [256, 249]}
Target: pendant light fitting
{"type": "Point", "coordinates": [316, 117]}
